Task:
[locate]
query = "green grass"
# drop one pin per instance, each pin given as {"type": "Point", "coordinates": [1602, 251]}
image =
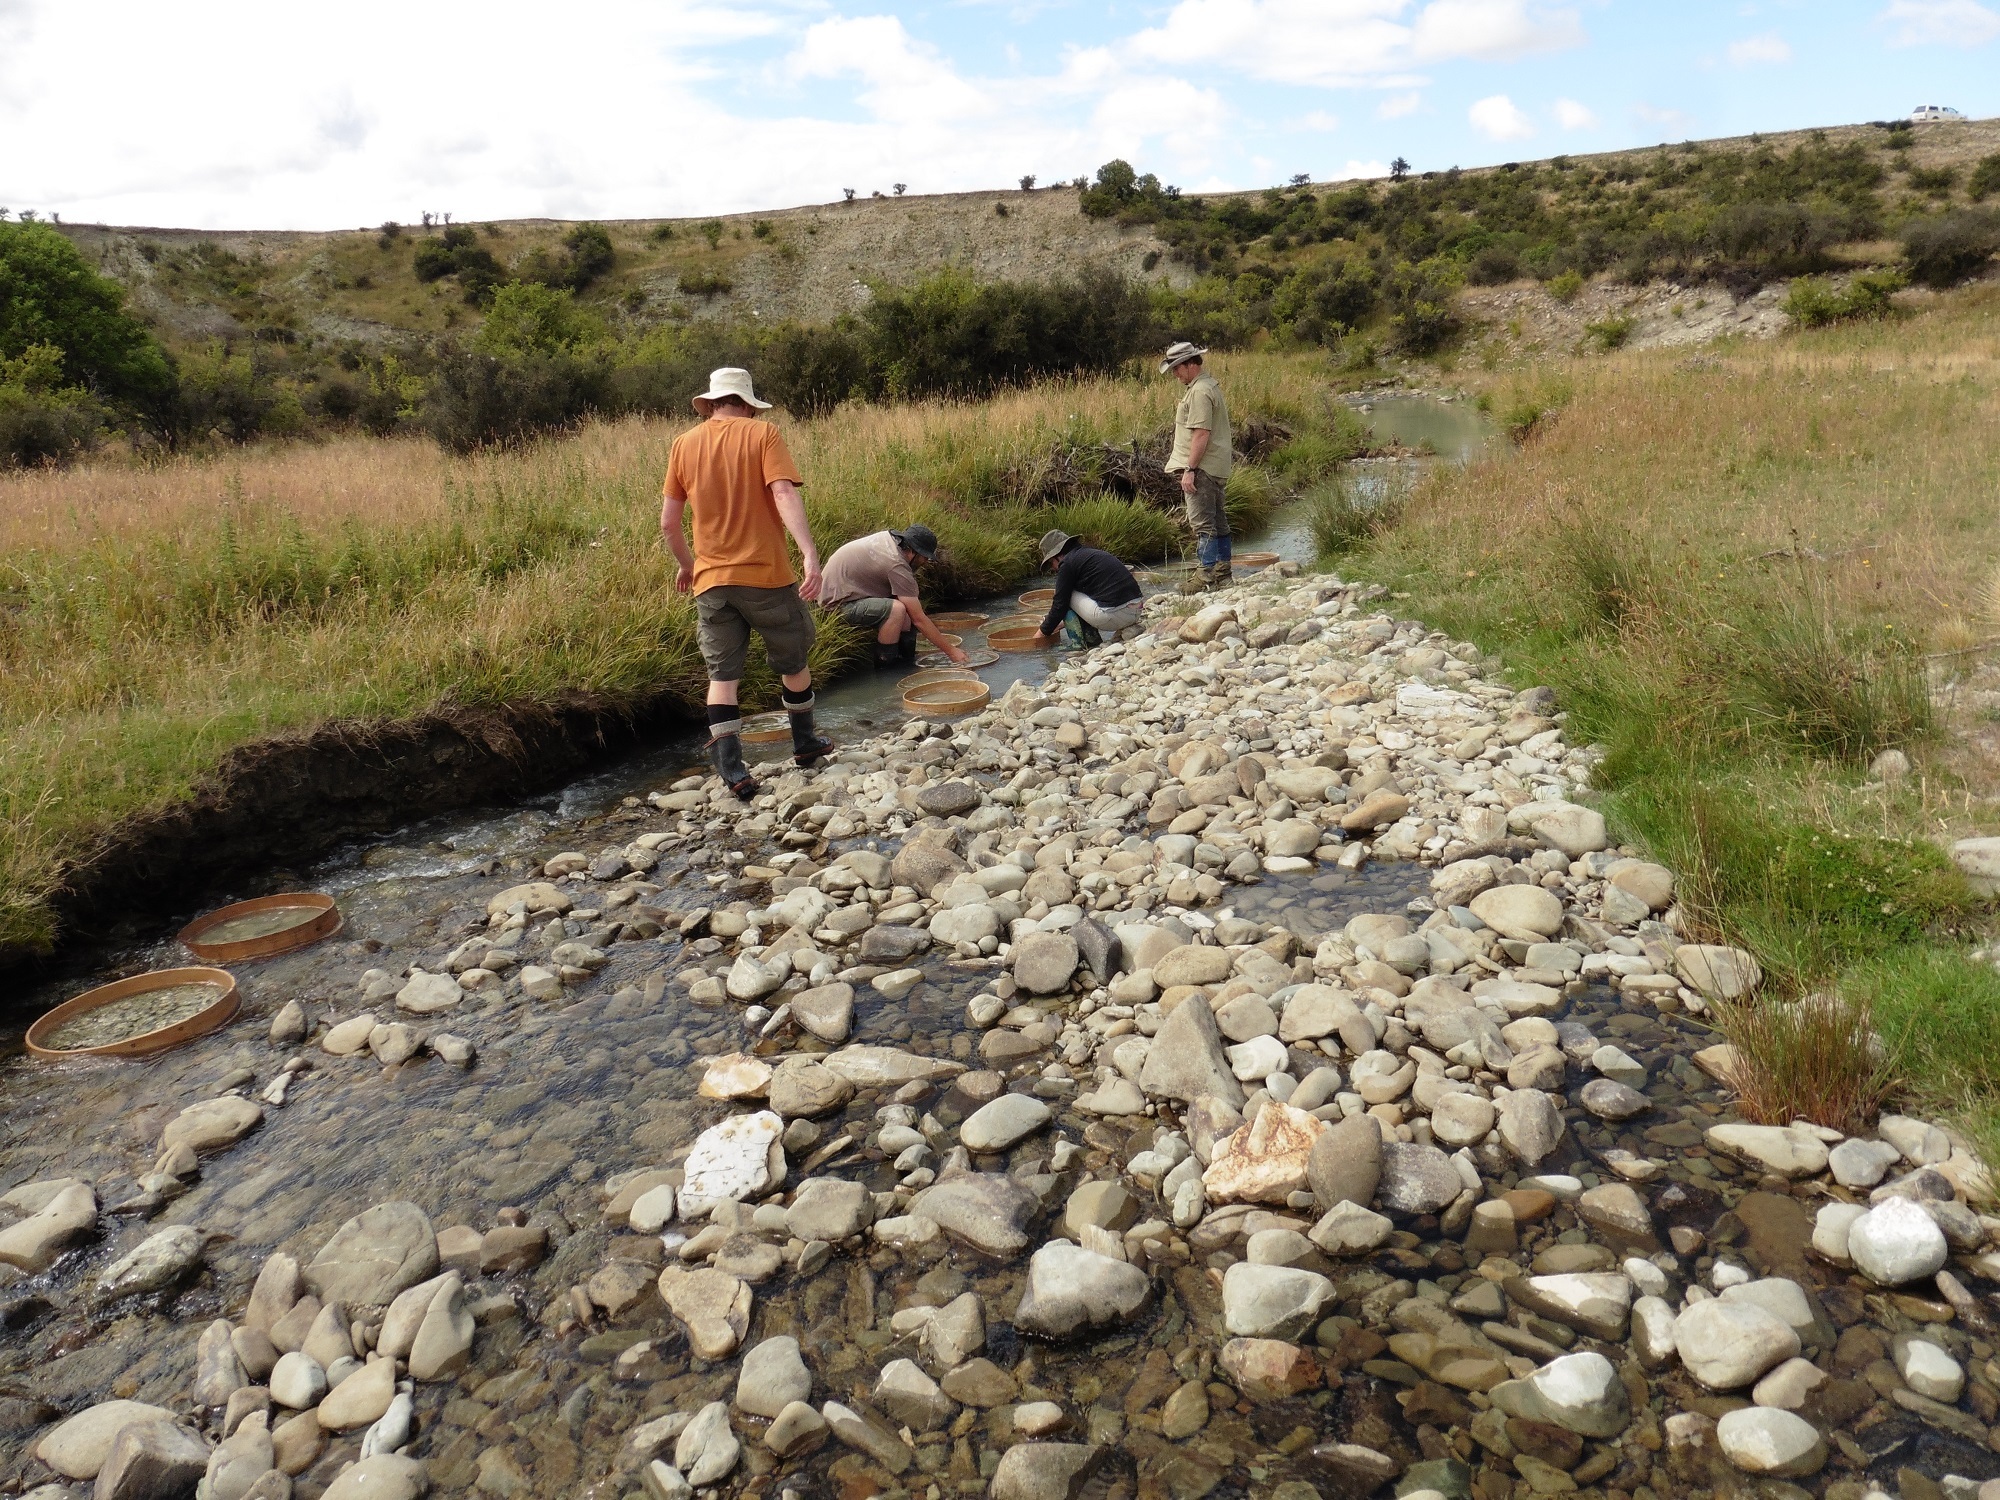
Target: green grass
{"type": "Point", "coordinates": [1729, 572]}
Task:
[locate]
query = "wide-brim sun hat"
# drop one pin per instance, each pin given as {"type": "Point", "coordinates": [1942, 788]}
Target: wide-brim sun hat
{"type": "Point", "coordinates": [1051, 545]}
{"type": "Point", "coordinates": [1180, 354]}
{"type": "Point", "coordinates": [728, 381]}
{"type": "Point", "coordinates": [920, 539]}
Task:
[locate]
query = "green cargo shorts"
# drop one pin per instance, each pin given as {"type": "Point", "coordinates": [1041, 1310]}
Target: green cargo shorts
{"type": "Point", "coordinates": [725, 616]}
{"type": "Point", "coordinates": [867, 614]}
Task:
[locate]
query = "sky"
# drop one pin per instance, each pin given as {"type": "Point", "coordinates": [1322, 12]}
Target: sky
{"type": "Point", "coordinates": [242, 114]}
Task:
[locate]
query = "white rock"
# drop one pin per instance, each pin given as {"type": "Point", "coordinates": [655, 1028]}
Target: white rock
{"type": "Point", "coordinates": [731, 1160]}
{"type": "Point", "coordinates": [1928, 1370]}
{"type": "Point", "coordinates": [1896, 1242]}
{"type": "Point", "coordinates": [1763, 1440]}
{"type": "Point", "coordinates": [1727, 1345]}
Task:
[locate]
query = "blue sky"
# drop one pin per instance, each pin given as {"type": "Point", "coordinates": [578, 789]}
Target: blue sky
{"type": "Point", "coordinates": [235, 113]}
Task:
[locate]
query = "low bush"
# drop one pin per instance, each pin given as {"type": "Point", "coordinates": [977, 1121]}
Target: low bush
{"type": "Point", "coordinates": [1565, 286]}
{"type": "Point", "coordinates": [1944, 250]}
{"type": "Point", "coordinates": [43, 421]}
{"type": "Point", "coordinates": [952, 336]}
{"type": "Point", "coordinates": [1525, 409]}
{"type": "Point", "coordinates": [1985, 178]}
{"type": "Point", "coordinates": [701, 282]}
{"type": "Point", "coordinates": [1814, 303]}
{"type": "Point", "coordinates": [476, 400]}
{"type": "Point", "coordinates": [1609, 333]}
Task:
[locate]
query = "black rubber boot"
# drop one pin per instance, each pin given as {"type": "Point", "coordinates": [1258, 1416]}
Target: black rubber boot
{"type": "Point", "coordinates": [808, 745]}
{"type": "Point", "coordinates": [908, 646]}
{"type": "Point", "coordinates": [888, 656]}
{"type": "Point", "coordinates": [725, 754]}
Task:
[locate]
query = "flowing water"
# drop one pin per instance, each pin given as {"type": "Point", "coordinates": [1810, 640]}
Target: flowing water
{"type": "Point", "coordinates": [561, 1098]}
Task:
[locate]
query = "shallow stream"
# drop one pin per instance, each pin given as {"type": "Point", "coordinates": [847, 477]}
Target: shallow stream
{"type": "Point", "coordinates": [563, 1097]}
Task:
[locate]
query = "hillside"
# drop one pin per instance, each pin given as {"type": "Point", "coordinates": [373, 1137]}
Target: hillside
{"type": "Point", "coordinates": [812, 263]}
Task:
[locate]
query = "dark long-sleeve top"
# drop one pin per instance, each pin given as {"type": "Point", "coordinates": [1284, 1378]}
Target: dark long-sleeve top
{"type": "Point", "coordinates": [1091, 571]}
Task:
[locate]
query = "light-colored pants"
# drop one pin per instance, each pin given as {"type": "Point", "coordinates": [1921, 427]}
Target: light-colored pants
{"type": "Point", "coordinates": [1119, 617]}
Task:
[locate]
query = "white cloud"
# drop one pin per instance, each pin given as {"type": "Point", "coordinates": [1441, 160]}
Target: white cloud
{"type": "Point", "coordinates": [1334, 43]}
{"type": "Point", "coordinates": [1499, 118]}
{"type": "Point", "coordinates": [1573, 116]}
{"type": "Point", "coordinates": [1492, 29]}
{"type": "Point", "coordinates": [1396, 106]}
{"type": "Point", "coordinates": [1943, 23]}
{"type": "Point", "coordinates": [1318, 119]}
{"type": "Point", "coordinates": [1766, 48]}
{"type": "Point", "coordinates": [1355, 169]}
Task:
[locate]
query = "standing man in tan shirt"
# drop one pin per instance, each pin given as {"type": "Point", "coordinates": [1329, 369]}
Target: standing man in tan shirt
{"type": "Point", "coordinates": [1202, 458]}
{"type": "Point", "coordinates": [740, 478]}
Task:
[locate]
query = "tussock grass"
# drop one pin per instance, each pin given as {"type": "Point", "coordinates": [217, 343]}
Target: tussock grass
{"type": "Point", "coordinates": [1729, 566]}
{"type": "Point", "coordinates": [152, 619]}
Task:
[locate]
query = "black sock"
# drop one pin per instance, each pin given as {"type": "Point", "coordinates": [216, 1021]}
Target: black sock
{"type": "Point", "coordinates": [800, 702]}
{"type": "Point", "coordinates": [724, 718]}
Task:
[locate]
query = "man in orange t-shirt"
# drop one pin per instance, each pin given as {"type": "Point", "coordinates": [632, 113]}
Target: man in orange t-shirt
{"type": "Point", "coordinates": [740, 478]}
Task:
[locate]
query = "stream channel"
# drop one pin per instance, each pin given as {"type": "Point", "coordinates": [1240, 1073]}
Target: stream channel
{"type": "Point", "coordinates": [560, 1099]}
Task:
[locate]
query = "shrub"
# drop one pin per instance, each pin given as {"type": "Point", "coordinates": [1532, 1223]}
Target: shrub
{"type": "Point", "coordinates": [1935, 181]}
{"type": "Point", "coordinates": [1493, 266]}
{"type": "Point", "coordinates": [590, 254]}
{"type": "Point", "coordinates": [661, 233]}
{"type": "Point", "coordinates": [951, 336]}
{"type": "Point", "coordinates": [458, 254]}
{"type": "Point", "coordinates": [704, 283]}
{"type": "Point", "coordinates": [1944, 250]}
{"type": "Point", "coordinates": [811, 370]}
{"type": "Point", "coordinates": [43, 421]}
{"type": "Point", "coordinates": [711, 230]}
{"type": "Point", "coordinates": [1812, 303]}
{"type": "Point", "coordinates": [530, 319]}
{"type": "Point", "coordinates": [1565, 286]}
{"type": "Point", "coordinates": [476, 400]}
{"type": "Point", "coordinates": [220, 394]}
{"type": "Point", "coordinates": [1525, 411]}
{"type": "Point", "coordinates": [1985, 178]}
{"type": "Point", "coordinates": [1609, 333]}
{"type": "Point", "coordinates": [1422, 297]}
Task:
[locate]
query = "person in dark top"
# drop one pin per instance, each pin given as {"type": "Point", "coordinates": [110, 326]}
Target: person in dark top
{"type": "Point", "coordinates": [1096, 594]}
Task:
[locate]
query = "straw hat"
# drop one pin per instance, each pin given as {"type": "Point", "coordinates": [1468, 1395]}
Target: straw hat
{"type": "Point", "coordinates": [728, 381]}
{"type": "Point", "coordinates": [1179, 354]}
{"type": "Point", "coordinates": [1051, 545]}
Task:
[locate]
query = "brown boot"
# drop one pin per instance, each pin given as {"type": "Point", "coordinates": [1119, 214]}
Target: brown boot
{"type": "Point", "coordinates": [1197, 581]}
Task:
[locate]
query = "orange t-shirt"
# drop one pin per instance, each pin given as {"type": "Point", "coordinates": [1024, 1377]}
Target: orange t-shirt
{"type": "Point", "coordinates": [724, 470]}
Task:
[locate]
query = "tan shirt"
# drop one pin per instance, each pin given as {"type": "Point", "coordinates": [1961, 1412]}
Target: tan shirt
{"type": "Point", "coordinates": [1202, 409]}
{"type": "Point", "coordinates": [869, 567]}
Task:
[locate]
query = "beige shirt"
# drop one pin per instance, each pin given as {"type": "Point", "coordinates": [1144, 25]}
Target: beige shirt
{"type": "Point", "coordinates": [869, 567]}
{"type": "Point", "coordinates": [1202, 409]}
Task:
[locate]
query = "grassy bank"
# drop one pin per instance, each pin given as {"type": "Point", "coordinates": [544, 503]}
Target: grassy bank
{"type": "Point", "coordinates": [153, 618]}
{"type": "Point", "coordinates": [1734, 567]}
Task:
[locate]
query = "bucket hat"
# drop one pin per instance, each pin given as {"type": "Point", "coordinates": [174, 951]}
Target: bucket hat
{"type": "Point", "coordinates": [1052, 544]}
{"type": "Point", "coordinates": [919, 539]}
{"type": "Point", "coordinates": [1180, 354]}
{"type": "Point", "coordinates": [728, 381]}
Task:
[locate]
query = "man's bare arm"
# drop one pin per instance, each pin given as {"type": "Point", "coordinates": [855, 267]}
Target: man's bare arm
{"type": "Point", "coordinates": [927, 629]}
{"type": "Point", "coordinates": [792, 511]}
{"type": "Point", "coordinates": [671, 511]}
